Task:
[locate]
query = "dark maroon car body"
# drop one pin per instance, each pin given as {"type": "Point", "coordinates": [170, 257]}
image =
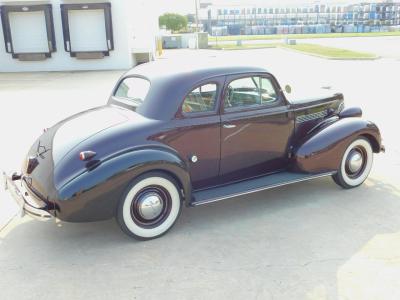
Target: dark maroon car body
{"type": "Point", "coordinates": [300, 139]}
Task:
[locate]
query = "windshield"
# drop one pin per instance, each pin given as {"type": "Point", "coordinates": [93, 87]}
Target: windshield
{"type": "Point", "coordinates": [132, 91]}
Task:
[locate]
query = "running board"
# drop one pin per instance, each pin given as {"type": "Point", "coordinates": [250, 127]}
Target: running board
{"type": "Point", "coordinates": [251, 186]}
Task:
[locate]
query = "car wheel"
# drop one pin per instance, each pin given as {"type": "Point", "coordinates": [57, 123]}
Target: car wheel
{"type": "Point", "coordinates": [150, 206]}
{"type": "Point", "coordinates": [355, 165]}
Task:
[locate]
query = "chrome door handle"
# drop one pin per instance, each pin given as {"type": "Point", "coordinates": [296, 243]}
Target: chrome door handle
{"type": "Point", "coordinates": [229, 126]}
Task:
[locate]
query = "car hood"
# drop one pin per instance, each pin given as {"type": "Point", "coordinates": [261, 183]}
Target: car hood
{"type": "Point", "coordinates": [301, 98]}
{"type": "Point", "coordinates": [73, 131]}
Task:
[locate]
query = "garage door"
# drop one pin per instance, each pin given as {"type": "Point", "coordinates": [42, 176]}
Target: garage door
{"type": "Point", "coordinates": [28, 31]}
{"type": "Point", "coordinates": [87, 30]}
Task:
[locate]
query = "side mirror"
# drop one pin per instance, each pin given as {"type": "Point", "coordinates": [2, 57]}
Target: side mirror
{"type": "Point", "coordinates": [288, 89]}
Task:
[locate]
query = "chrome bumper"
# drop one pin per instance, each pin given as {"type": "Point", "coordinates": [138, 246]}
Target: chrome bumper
{"type": "Point", "coordinates": [23, 198]}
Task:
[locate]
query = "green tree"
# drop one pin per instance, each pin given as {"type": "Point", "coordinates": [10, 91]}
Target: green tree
{"type": "Point", "coordinates": [174, 22]}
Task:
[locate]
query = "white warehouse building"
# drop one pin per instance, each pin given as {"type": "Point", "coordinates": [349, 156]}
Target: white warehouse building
{"type": "Point", "coordinates": [72, 35]}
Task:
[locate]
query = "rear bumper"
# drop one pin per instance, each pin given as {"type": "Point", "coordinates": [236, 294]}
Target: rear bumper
{"type": "Point", "coordinates": [28, 203]}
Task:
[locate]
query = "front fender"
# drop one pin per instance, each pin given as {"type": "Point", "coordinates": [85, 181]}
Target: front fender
{"type": "Point", "coordinates": [322, 150]}
{"type": "Point", "coordinates": [94, 194]}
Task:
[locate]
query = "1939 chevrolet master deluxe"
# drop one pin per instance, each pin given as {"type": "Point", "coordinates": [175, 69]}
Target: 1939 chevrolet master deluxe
{"type": "Point", "coordinates": [192, 137]}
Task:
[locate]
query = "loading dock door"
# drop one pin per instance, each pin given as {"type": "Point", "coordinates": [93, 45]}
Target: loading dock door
{"type": "Point", "coordinates": [87, 30]}
{"type": "Point", "coordinates": [28, 31]}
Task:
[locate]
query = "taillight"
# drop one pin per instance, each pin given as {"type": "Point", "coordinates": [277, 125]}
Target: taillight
{"type": "Point", "coordinates": [86, 155]}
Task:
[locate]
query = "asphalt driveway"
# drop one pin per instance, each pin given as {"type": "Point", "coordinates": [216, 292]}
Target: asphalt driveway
{"type": "Point", "coordinates": [309, 240]}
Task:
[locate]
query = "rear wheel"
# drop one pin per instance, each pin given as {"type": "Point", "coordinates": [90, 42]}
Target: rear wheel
{"type": "Point", "coordinates": [355, 165]}
{"type": "Point", "coordinates": [150, 206]}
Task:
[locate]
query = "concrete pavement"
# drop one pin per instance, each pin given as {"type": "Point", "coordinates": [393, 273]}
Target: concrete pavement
{"type": "Point", "coordinates": [310, 240]}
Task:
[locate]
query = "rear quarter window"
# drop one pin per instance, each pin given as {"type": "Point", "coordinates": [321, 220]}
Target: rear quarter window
{"type": "Point", "coordinates": [201, 99]}
{"type": "Point", "coordinates": [132, 90]}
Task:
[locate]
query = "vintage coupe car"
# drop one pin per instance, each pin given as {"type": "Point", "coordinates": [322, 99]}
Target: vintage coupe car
{"type": "Point", "coordinates": [172, 137]}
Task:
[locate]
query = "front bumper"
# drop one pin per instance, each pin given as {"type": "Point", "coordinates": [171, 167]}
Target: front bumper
{"type": "Point", "coordinates": [28, 204]}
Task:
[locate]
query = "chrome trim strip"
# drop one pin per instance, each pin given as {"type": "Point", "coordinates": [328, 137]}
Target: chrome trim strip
{"type": "Point", "coordinates": [313, 116]}
{"type": "Point", "coordinates": [263, 188]}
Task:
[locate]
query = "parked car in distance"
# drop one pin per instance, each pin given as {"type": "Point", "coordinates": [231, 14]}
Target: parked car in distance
{"type": "Point", "coordinates": [168, 138]}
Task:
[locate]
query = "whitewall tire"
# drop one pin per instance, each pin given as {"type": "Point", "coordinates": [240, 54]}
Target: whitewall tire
{"type": "Point", "coordinates": [150, 206]}
{"type": "Point", "coordinates": [356, 164]}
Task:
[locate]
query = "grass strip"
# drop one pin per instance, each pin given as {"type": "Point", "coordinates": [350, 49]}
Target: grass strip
{"type": "Point", "coordinates": [329, 52]}
{"type": "Point", "coordinates": [312, 49]}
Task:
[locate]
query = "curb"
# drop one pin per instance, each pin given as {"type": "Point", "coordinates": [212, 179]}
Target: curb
{"type": "Point", "coordinates": [252, 48]}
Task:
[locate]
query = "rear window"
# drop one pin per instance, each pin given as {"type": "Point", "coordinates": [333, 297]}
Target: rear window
{"type": "Point", "coordinates": [132, 90]}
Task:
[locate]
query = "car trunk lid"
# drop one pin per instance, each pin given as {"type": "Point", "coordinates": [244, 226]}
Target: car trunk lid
{"type": "Point", "coordinates": [56, 142]}
{"type": "Point", "coordinates": [78, 128]}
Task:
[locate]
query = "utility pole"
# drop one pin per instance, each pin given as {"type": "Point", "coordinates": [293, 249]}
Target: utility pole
{"type": "Point", "coordinates": [197, 15]}
{"type": "Point", "coordinates": [197, 24]}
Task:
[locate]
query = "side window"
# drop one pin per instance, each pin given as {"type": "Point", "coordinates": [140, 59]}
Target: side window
{"type": "Point", "coordinates": [201, 99]}
{"type": "Point", "coordinates": [133, 89]}
{"type": "Point", "coordinates": [249, 91]}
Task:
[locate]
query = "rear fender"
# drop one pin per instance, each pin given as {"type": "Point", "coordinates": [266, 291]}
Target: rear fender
{"type": "Point", "coordinates": [322, 150]}
{"type": "Point", "coordinates": [94, 194]}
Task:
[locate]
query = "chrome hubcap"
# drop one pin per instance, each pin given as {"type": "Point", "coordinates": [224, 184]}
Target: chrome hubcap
{"type": "Point", "coordinates": [355, 161]}
{"type": "Point", "coordinates": [150, 206]}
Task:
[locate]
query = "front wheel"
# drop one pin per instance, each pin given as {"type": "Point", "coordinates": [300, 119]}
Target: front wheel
{"type": "Point", "coordinates": [150, 206]}
{"type": "Point", "coordinates": [355, 165]}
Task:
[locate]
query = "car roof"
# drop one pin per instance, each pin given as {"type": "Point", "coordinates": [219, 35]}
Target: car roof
{"type": "Point", "coordinates": [171, 81]}
{"type": "Point", "coordinates": [196, 71]}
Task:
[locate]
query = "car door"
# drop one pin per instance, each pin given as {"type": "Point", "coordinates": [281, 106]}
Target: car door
{"type": "Point", "coordinates": [197, 129]}
{"type": "Point", "coordinates": [256, 126]}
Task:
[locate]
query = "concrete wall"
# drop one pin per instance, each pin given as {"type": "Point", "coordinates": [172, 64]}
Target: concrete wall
{"type": "Point", "coordinates": [123, 12]}
{"type": "Point", "coordinates": [143, 26]}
